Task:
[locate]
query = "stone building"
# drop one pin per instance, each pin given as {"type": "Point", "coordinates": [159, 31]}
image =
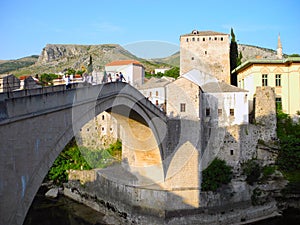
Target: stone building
{"type": "Point", "coordinates": [99, 133]}
{"type": "Point", "coordinates": [207, 51]}
{"type": "Point", "coordinates": [9, 83]}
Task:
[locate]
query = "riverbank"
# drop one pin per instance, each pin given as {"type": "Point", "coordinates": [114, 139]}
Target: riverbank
{"type": "Point", "coordinates": [152, 205]}
{"type": "Point", "coordinates": [63, 210]}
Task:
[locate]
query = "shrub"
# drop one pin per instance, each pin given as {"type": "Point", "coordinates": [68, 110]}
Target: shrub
{"type": "Point", "coordinates": [216, 174]}
{"type": "Point", "coordinates": [252, 170]}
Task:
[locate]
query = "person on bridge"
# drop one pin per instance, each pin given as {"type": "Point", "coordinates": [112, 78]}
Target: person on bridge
{"type": "Point", "coordinates": [122, 77]}
{"type": "Point", "coordinates": [67, 81]}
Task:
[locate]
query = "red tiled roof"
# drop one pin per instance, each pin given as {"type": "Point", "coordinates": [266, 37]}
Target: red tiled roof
{"type": "Point", "coordinates": [123, 62]}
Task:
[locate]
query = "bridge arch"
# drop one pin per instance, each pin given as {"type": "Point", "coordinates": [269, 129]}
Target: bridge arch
{"type": "Point", "coordinates": [33, 134]}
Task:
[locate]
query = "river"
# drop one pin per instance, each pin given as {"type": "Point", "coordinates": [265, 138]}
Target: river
{"type": "Point", "coordinates": [64, 211]}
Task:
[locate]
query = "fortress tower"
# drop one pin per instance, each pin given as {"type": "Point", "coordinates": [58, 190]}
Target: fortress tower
{"type": "Point", "coordinates": [207, 51]}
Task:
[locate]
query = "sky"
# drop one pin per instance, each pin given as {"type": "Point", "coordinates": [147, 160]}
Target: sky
{"type": "Point", "coordinates": [150, 29]}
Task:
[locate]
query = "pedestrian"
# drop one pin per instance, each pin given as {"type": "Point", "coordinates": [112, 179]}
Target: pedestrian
{"type": "Point", "coordinates": [109, 77]}
{"type": "Point", "coordinates": [67, 81]}
{"type": "Point", "coordinates": [122, 77]}
{"type": "Point", "coordinates": [117, 77]}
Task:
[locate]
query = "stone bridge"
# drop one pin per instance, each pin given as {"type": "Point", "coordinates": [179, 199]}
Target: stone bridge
{"type": "Point", "coordinates": [36, 124]}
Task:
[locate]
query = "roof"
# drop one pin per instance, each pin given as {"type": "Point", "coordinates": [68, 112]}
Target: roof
{"type": "Point", "coordinates": [220, 86]}
{"type": "Point", "coordinates": [265, 61]}
{"type": "Point", "coordinates": [123, 62]}
{"type": "Point", "coordinates": [209, 83]}
{"type": "Point", "coordinates": [203, 33]}
{"type": "Point", "coordinates": [154, 82]}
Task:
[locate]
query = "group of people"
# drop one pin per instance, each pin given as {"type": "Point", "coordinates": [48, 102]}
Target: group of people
{"type": "Point", "coordinates": [119, 77]}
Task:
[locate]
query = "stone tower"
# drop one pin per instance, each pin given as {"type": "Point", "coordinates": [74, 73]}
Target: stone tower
{"type": "Point", "coordinates": [279, 48]}
{"type": "Point", "coordinates": [207, 51]}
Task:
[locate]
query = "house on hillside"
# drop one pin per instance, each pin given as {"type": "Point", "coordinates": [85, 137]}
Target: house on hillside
{"type": "Point", "coordinates": [281, 74]}
{"type": "Point", "coordinates": [9, 83]}
{"type": "Point", "coordinates": [132, 70]}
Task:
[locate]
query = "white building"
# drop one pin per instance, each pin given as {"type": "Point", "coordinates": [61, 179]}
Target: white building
{"type": "Point", "coordinates": [132, 70]}
{"type": "Point", "coordinates": [155, 90]}
{"type": "Point", "coordinates": [161, 70]}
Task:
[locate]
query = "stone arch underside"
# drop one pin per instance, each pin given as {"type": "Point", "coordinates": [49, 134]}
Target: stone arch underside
{"type": "Point", "coordinates": [40, 139]}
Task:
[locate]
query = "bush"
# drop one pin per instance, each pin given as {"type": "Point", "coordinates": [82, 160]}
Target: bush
{"type": "Point", "coordinates": [216, 174]}
{"type": "Point", "coordinates": [252, 170]}
{"type": "Point", "coordinates": [69, 158]}
{"type": "Point", "coordinates": [289, 134]}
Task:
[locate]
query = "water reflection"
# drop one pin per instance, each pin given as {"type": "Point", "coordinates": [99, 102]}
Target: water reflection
{"type": "Point", "coordinates": [61, 211]}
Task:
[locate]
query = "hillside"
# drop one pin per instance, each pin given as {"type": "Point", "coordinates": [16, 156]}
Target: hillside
{"type": "Point", "coordinates": [57, 57]}
{"type": "Point", "coordinates": [10, 65]}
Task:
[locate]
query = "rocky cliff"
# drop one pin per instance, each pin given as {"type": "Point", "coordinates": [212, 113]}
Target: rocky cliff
{"type": "Point", "coordinates": [75, 56]}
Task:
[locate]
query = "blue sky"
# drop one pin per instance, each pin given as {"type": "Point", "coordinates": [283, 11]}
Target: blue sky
{"type": "Point", "coordinates": [27, 26]}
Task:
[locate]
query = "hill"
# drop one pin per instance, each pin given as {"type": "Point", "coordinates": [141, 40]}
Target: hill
{"type": "Point", "coordinates": [10, 65]}
{"type": "Point", "coordinates": [57, 57]}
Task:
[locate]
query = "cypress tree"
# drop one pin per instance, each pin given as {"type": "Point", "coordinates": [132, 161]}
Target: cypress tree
{"type": "Point", "coordinates": [233, 58]}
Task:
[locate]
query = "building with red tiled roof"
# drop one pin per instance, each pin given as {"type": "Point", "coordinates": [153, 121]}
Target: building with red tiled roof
{"type": "Point", "coordinates": [132, 70]}
{"type": "Point", "coordinates": [123, 62]}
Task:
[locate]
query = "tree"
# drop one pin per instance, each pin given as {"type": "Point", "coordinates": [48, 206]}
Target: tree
{"type": "Point", "coordinates": [216, 174]}
{"type": "Point", "coordinates": [233, 58]}
{"type": "Point", "coordinates": [90, 65]}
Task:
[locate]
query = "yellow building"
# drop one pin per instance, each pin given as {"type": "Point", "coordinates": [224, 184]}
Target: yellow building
{"type": "Point", "coordinates": [281, 74]}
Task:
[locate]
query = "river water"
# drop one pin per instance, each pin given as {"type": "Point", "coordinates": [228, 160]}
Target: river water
{"type": "Point", "coordinates": [64, 211]}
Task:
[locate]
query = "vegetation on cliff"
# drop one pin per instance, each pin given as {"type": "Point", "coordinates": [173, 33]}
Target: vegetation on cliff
{"type": "Point", "coordinates": [79, 158]}
{"type": "Point", "coordinates": [288, 160]}
{"type": "Point", "coordinates": [215, 175]}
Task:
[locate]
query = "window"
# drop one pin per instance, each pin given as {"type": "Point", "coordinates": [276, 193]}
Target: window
{"type": "Point", "coordinates": [231, 152]}
{"type": "Point", "coordinates": [221, 38]}
{"type": "Point", "coordinates": [198, 39]}
{"type": "Point", "coordinates": [210, 38]}
{"type": "Point", "coordinates": [150, 94]}
{"type": "Point", "coordinates": [264, 80]}
{"type": "Point", "coordinates": [193, 39]}
{"type": "Point", "coordinates": [205, 52]}
{"type": "Point", "coordinates": [187, 40]}
{"type": "Point", "coordinates": [207, 112]}
{"type": "Point", "coordinates": [219, 112]}
{"type": "Point", "coordinates": [278, 80]}
{"type": "Point", "coordinates": [102, 128]}
{"type": "Point", "coordinates": [182, 107]}
{"type": "Point", "coordinates": [156, 102]}
{"type": "Point", "coordinates": [203, 39]}
{"type": "Point", "coordinates": [156, 93]}
{"type": "Point", "coordinates": [102, 117]}
{"type": "Point", "coordinates": [231, 112]}
{"type": "Point", "coordinates": [215, 38]}
{"type": "Point", "coordinates": [192, 58]}
{"type": "Point", "coordinates": [278, 103]}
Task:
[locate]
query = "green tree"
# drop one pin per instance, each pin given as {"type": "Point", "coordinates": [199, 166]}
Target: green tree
{"type": "Point", "coordinates": [216, 174]}
{"type": "Point", "coordinates": [233, 58]}
{"type": "Point", "coordinates": [173, 72]}
{"type": "Point", "coordinates": [288, 133]}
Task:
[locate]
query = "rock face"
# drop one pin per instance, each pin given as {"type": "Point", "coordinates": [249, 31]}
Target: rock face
{"type": "Point", "coordinates": [75, 56]}
{"type": "Point", "coordinates": [253, 52]}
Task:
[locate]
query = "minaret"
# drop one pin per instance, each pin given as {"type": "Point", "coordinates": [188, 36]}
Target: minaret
{"type": "Point", "coordinates": [279, 48]}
